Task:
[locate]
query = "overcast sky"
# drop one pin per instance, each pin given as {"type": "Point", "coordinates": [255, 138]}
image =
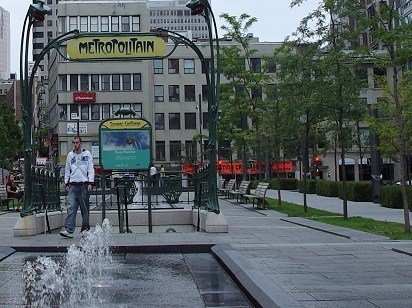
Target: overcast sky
{"type": "Point", "coordinates": [276, 19]}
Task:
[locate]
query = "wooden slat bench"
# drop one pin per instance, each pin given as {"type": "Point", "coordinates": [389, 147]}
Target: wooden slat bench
{"type": "Point", "coordinates": [258, 195]}
{"type": "Point", "coordinates": [220, 186]}
{"type": "Point", "coordinates": [229, 186]}
{"type": "Point", "coordinates": [241, 191]}
{"type": "Point", "coordinates": [3, 198]}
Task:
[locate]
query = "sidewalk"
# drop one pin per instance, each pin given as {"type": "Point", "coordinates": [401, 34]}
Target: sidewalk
{"type": "Point", "coordinates": [281, 261]}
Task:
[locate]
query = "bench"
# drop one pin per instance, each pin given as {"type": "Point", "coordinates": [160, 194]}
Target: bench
{"type": "Point", "coordinates": [241, 191]}
{"type": "Point", "coordinates": [4, 200]}
{"type": "Point", "coordinates": [229, 186]}
{"type": "Point", "coordinates": [220, 185]}
{"type": "Point", "coordinates": [258, 195]}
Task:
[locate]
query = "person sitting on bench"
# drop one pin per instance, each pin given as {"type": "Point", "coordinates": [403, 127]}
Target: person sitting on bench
{"type": "Point", "coordinates": [14, 191]}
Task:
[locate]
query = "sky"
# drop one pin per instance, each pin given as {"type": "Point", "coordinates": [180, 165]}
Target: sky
{"type": "Point", "coordinates": [275, 19]}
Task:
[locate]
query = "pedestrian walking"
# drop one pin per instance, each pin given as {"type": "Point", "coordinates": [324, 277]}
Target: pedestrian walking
{"type": "Point", "coordinates": [162, 175]}
{"type": "Point", "coordinates": [79, 179]}
{"type": "Point", "coordinates": [153, 175]}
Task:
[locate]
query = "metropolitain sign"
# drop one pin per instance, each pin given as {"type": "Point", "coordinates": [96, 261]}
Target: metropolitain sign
{"type": "Point", "coordinates": [106, 47]}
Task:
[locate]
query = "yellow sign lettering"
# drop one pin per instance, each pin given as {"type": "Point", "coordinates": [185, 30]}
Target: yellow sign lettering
{"type": "Point", "coordinates": [116, 47]}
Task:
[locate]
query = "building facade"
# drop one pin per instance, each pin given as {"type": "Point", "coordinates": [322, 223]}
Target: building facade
{"type": "Point", "coordinates": [5, 47]}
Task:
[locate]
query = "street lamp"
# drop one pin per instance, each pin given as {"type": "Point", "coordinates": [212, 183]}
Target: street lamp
{"type": "Point", "coordinates": [36, 12]}
{"type": "Point", "coordinates": [305, 158]}
{"type": "Point", "coordinates": [376, 175]}
{"type": "Point", "coordinates": [203, 8]}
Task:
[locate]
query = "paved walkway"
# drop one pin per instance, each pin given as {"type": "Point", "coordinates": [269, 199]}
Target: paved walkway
{"type": "Point", "coordinates": [285, 262]}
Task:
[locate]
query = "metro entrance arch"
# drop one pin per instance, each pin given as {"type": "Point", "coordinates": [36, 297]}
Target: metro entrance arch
{"type": "Point", "coordinates": [118, 47]}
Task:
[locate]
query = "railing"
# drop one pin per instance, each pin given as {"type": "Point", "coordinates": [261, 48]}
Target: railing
{"type": "Point", "coordinates": [45, 191]}
{"type": "Point", "coordinates": [201, 180]}
{"type": "Point", "coordinates": [176, 187]}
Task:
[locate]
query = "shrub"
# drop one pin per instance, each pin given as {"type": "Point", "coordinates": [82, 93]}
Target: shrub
{"type": "Point", "coordinates": [359, 191]}
{"type": "Point", "coordinates": [327, 188]}
{"type": "Point", "coordinates": [391, 196]}
{"type": "Point", "coordinates": [310, 186]}
{"type": "Point", "coordinates": [284, 183]}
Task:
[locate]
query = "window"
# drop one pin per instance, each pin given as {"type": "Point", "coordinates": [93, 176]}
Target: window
{"type": "Point", "coordinates": [116, 107]}
{"type": "Point", "coordinates": [84, 114]}
{"type": "Point", "coordinates": [159, 121]}
{"type": "Point", "coordinates": [135, 23]}
{"type": "Point", "coordinates": [174, 120]}
{"type": "Point", "coordinates": [95, 82]}
{"type": "Point", "coordinates": [127, 85]}
{"type": "Point", "coordinates": [138, 109]}
{"type": "Point", "coordinates": [94, 24]}
{"type": "Point", "coordinates": [208, 63]}
{"type": "Point", "coordinates": [105, 111]}
{"type": "Point", "coordinates": [115, 23]}
{"type": "Point", "coordinates": [190, 120]}
{"type": "Point", "coordinates": [173, 66]}
{"type": "Point", "coordinates": [84, 82]}
{"type": "Point", "coordinates": [190, 95]}
{"type": "Point", "coordinates": [189, 66]}
{"type": "Point", "coordinates": [116, 82]}
{"type": "Point", "coordinates": [158, 66]}
{"type": "Point", "coordinates": [125, 24]}
{"type": "Point", "coordinates": [205, 120]}
{"type": "Point", "coordinates": [74, 86]}
{"type": "Point", "coordinates": [256, 93]}
{"type": "Point", "coordinates": [160, 150]}
{"type": "Point", "coordinates": [72, 23]}
{"type": "Point", "coordinates": [190, 150]}
{"type": "Point", "coordinates": [63, 112]}
{"type": "Point", "coordinates": [95, 112]}
{"type": "Point", "coordinates": [83, 24]}
{"type": "Point", "coordinates": [255, 65]}
{"type": "Point", "coordinates": [105, 82]}
{"type": "Point", "coordinates": [174, 93]}
{"type": "Point", "coordinates": [74, 111]}
{"type": "Point", "coordinates": [175, 150]}
{"type": "Point", "coordinates": [204, 93]}
{"type": "Point", "coordinates": [271, 66]}
{"type": "Point", "coordinates": [137, 81]}
{"type": "Point", "coordinates": [158, 92]}
{"type": "Point", "coordinates": [104, 20]}
{"type": "Point", "coordinates": [63, 82]}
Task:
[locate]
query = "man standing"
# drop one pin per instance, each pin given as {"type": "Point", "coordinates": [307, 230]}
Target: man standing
{"type": "Point", "coordinates": [153, 175]}
{"type": "Point", "coordinates": [78, 178]}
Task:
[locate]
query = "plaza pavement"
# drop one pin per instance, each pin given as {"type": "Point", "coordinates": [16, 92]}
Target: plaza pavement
{"type": "Point", "coordinates": [282, 261]}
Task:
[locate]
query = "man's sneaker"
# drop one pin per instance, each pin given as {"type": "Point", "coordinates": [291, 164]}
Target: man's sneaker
{"type": "Point", "coordinates": [66, 234]}
{"type": "Point", "coordinates": [84, 233]}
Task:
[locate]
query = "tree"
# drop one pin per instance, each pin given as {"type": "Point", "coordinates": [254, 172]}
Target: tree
{"type": "Point", "coordinates": [336, 64]}
{"type": "Point", "coordinates": [391, 32]}
{"type": "Point", "coordinates": [241, 97]}
{"type": "Point", "coordinates": [10, 135]}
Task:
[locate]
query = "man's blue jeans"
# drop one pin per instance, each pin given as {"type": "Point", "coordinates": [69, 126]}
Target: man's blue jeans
{"type": "Point", "coordinates": [78, 196]}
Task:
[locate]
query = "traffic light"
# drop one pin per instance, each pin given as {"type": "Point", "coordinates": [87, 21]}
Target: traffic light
{"type": "Point", "coordinates": [219, 165]}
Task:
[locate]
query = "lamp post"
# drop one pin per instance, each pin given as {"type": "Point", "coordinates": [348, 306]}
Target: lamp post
{"type": "Point", "coordinates": [36, 12]}
{"type": "Point", "coordinates": [376, 175]}
{"type": "Point", "coordinates": [305, 158]}
{"type": "Point", "coordinates": [203, 8]}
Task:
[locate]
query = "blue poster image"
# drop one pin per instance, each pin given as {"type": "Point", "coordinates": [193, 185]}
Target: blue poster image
{"type": "Point", "coordinates": [125, 149]}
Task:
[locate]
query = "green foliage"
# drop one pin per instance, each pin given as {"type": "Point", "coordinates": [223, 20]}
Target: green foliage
{"type": "Point", "coordinates": [391, 197]}
{"type": "Point", "coordinates": [10, 135]}
{"type": "Point", "coordinates": [310, 186]}
{"type": "Point", "coordinates": [284, 183]}
{"type": "Point", "coordinates": [360, 191]}
{"type": "Point", "coordinates": [327, 188]}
